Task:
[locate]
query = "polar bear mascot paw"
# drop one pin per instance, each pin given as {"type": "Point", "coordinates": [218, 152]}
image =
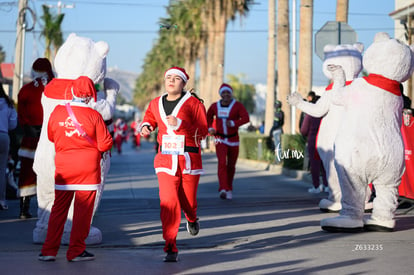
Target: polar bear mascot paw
{"type": "Point", "coordinates": [342, 224]}
{"type": "Point", "coordinates": [294, 99]}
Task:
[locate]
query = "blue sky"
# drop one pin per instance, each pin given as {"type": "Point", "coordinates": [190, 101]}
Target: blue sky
{"type": "Point", "coordinates": [131, 27]}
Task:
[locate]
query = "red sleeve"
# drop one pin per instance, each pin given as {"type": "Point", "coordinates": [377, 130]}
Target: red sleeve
{"type": "Point", "coordinates": [149, 117]}
{"type": "Point", "coordinates": [50, 127]}
{"type": "Point", "coordinates": [201, 118]}
{"type": "Point", "coordinates": [103, 137]}
{"type": "Point", "coordinates": [22, 106]}
{"type": "Point", "coordinates": [211, 113]}
{"type": "Point", "coordinates": [243, 116]}
{"type": "Point", "coordinates": [198, 119]}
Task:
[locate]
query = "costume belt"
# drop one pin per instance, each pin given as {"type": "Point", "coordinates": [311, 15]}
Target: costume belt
{"type": "Point", "coordinates": [32, 130]}
{"type": "Point", "coordinates": [189, 149]}
{"type": "Point", "coordinates": [225, 136]}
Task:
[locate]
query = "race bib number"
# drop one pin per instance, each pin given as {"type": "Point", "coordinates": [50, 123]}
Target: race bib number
{"type": "Point", "coordinates": [223, 113]}
{"type": "Point", "coordinates": [172, 145]}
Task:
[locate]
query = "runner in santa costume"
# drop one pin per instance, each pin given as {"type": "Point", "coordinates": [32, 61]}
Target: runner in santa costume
{"type": "Point", "coordinates": [181, 120]}
{"type": "Point", "coordinates": [224, 118]}
{"type": "Point", "coordinates": [80, 136]}
{"type": "Point", "coordinates": [120, 134]}
{"type": "Point", "coordinates": [30, 112]}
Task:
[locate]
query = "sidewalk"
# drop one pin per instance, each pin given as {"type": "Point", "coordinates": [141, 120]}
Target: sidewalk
{"type": "Point", "coordinates": [270, 227]}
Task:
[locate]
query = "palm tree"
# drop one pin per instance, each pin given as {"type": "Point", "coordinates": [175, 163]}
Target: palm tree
{"type": "Point", "coordinates": [283, 63]}
{"type": "Point", "coordinates": [194, 39]}
{"type": "Point", "coordinates": [52, 32]}
{"type": "Point", "coordinates": [186, 16]}
{"type": "Point", "coordinates": [305, 47]}
{"type": "Point", "coordinates": [222, 12]}
{"type": "Point", "coordinates": [342, 10]}
{"type": "Point", "coordinates": [305, 50]}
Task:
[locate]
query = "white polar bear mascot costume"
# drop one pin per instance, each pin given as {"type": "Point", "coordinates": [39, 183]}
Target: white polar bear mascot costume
{"type": "Point", "coordinates": [369, 147]}
{"type": "Point", "coordinates": [78, 56]}
{"type": "Point", "coordinates": [349, 57]}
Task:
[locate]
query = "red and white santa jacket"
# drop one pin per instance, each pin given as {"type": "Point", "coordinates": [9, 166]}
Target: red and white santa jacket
{"type": "Point", "coordinates": [218, 116]}
{"type": "Point", "coordinates": [30, 114]}
{"type": "Point", "coordinates": [192, 124]}
{"type": "Point", "coordinates": [77, 160]}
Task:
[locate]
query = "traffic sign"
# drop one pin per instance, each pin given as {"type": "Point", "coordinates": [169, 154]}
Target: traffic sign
{"type": "Point", "coordinates": [333, 32]}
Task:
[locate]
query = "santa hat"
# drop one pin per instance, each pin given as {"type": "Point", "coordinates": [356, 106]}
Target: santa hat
{"type": "Point", "coordinates": [225, 87]}
{"type": "Point", "coordinates": [40, 67]}
{"type": "Point", "coordinates": [178, 71]}
{"type": "Point", "coordinates": [83, 89]}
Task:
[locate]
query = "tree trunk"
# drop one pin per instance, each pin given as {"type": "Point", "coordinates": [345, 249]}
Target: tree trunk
{"type": "Point", "coordinates": [202, 57]}
{"type": "Point", "coordinates": [209, 77]}
{"type": "Point", "coordinates": [219, 50]}
{"type": "Point", "coordinates": [191, 71]}
{"type": "Point", "coordinates": [305, 51]}
{"type": "Point", "coordinates": [271, 67]}
{"type": "Point", "coordinates": [283, 61]}
{"type": "Point", "coordinates": [342, 10]}
{"type": "Point", "coordinates": [202, 88]}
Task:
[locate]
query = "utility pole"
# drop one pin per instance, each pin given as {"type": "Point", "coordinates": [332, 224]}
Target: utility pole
{"type": "Point", "coordinates": [271, 64]}
{"type": "Point", "coordinates": [19, 51]}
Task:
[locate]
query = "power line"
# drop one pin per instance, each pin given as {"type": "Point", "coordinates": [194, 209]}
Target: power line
{"type": "Point", "coordinates": [227, 31]}
{"type": "Point", "coordinates": [113, 3]}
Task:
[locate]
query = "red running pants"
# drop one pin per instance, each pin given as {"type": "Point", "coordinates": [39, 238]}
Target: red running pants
{"type": "Point", "coordinates": [82, 217]}
{"type": "Point", "coordinates": [176, 193]}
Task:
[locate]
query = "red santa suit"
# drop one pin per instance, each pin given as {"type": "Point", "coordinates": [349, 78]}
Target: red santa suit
{"type": "Point", "coordinates": [120, 134]}
{"type": "Point", "coordinates": [227, 139]}
{"type": "Point", "coordinates": [178, 172]}
{"type": "Point", "coordinates": [136, 142]}
{"type": "Point", "coordinates": [30, 113]}
{"type": "Point", "coordinates": [78, 171]}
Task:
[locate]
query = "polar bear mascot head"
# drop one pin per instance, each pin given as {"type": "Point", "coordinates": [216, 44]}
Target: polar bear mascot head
{"type": "Point", "coordinates": [80, 56]}
{"type": "Point", "coordinates": [348, 56]}
{"type": "Point", "coordinates": [390, 58]}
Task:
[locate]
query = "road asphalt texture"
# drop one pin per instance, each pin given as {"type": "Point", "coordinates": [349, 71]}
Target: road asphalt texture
{"type": "Point", "coordinates": [272, 226]}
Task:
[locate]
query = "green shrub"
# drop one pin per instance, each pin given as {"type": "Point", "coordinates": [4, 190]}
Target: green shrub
{"type": "Point", "coordinates": [250, 144]}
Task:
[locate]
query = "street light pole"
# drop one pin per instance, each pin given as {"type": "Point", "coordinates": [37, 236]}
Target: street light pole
{"type": "Point", "coordinates": [19, 50]}
{"type": "Point", "coordinates": [293, 81]}
{"type": "Point", "coordinates": [61, 6]}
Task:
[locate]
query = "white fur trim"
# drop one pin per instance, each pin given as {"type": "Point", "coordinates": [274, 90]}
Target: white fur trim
{"type": "Point", "coordinates": [165, 170]}
{"type": "Point", "coordinates": [225, 88]}
{"type": "Point", "coordinates": [142, 125]}
{"type": "Point", "coordinates": [177, 72]}
{"type": "Point", "coordinates": [225, 141]}
{"type": "Point", "coordinates": [194, 172]}
{"type": "Point", "coordinates": [23, 152]}
{"type": "Point", "coordinates": [27, 191]}
{"type": "Point", "coordinates": [74, 187]}
{"type": "Point", "coordinates": [176, 127]}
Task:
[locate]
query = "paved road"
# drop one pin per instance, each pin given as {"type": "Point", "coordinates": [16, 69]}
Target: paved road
{"type": "Point", "coordinates": [270, 227]}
